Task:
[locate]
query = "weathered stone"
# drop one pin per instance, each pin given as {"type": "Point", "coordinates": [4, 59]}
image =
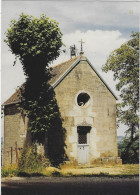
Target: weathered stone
{"type": "Point", "coordinates": [98, 113]}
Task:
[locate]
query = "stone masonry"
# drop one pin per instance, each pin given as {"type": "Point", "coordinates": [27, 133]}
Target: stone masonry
{"type": "Point", "coordinates": [99, 113]}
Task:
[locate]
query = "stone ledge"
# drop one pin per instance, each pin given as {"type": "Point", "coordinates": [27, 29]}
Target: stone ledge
{"type": "Point", "coordinates": [97, 161]}
{"type": "Point", "coordinates": [107, 160]}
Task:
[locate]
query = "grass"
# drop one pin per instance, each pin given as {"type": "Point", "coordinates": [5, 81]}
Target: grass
{"type": "Point", "coordinates": [9, 171]}
{"type": "Point", "coordinates": [103, 170]}
{"type": "Point", "coordinates": [126, 170]}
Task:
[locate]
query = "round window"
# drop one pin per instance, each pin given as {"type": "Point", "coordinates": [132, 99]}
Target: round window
{"type": "Point", "coordinates": [83, 99]}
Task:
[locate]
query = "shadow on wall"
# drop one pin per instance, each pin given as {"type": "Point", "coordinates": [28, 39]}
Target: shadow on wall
{"type": "Point", "coordinates": [45, 123]}
{"type": "Point", "coordinates": [55, 141]}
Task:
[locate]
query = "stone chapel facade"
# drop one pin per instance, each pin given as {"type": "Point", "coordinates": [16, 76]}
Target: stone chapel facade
{"type": "Point", "coordinates": [88, 108]}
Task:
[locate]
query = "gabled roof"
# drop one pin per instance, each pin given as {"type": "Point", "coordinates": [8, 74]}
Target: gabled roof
{"type": "Point", "coordinates": [59, 72]}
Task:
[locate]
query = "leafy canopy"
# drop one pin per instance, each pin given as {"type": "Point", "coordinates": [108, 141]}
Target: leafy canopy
{"type": "Point", "coordinates": [124, 62]}
{"type": "Point", "coordinates": [36, 41]}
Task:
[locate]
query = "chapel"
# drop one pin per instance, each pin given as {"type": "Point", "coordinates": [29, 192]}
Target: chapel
{"type": "Point", "coordinates": [88, 108]}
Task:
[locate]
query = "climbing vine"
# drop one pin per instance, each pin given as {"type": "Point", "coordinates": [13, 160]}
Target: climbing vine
{"type": "Point", "coordinates": [37, 42]}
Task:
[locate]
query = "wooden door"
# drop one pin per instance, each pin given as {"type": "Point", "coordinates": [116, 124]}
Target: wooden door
{"type": "Point", "coordinates": [83, 145]}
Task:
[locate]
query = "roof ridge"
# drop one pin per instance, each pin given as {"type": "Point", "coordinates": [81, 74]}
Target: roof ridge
{"type": "Point", "coordinates": [72, 59]}
{"type": "Point", "coordinates": [60, 73]}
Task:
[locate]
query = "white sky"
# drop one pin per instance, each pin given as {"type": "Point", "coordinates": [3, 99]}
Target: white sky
{"type": "Point", "coordinates": [103, 26]}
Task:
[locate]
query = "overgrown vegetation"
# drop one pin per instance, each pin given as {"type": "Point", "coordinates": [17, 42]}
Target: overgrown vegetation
{"type": "Point", "coordinates": [132, 155]}
{"type": "Point", "coordinates": [37, 42]}
{"type": "Point", "coordinates": [130, 170]}
{"type": "Point", "coordinates": [9, 171]}
{"type": "Point", "coordinates": [29, 160]}
{"type": "Point", "coordinates": [124, 62]}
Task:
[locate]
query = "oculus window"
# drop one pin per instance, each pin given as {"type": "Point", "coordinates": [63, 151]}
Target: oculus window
{"type": "Point", "coordinates": [83, 99]}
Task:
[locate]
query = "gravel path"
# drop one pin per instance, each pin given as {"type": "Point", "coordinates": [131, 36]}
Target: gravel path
{"type": "Point", "coordinates": [70, 186]}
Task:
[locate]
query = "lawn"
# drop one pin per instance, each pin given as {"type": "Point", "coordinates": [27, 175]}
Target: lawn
{"type": "Point", "coordinates": [94, 170]}
{"type": "Point", "coordinates": [112, 170]}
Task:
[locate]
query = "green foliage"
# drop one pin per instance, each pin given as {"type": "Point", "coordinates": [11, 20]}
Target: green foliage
{"type": "Point", "coordinates": [36, 41]}
{"type": "Point", "coordinates": [31, 161]}
{"type": "Point", "coordinates": [45, 122]}
{"type": "Point", "coordinates": [129, 151]}
{"type": "Point", "coordinates": [124, 62]}
{"type": "Point", "coordinates": [9, 171]}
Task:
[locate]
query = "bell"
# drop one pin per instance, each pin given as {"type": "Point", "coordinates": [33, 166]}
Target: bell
{"type": "Point", "coordinates": [72, 51]}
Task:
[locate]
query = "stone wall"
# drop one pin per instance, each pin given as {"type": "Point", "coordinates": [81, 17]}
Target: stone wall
{"type": "Point", "coordinates": [99, 113]}
{"type": "Point", "coordinates": [15, 125]}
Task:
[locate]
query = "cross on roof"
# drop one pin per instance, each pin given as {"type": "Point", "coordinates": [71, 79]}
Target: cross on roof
{"type": "Point", "coordinates": [81, 52]}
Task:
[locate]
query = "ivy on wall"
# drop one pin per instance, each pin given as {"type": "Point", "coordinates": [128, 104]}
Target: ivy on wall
{"type": "Point", "coordinates": [37, 42]}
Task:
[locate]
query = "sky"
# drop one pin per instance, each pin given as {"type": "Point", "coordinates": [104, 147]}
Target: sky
{"type": "Point", "coordinates": [102, 25]}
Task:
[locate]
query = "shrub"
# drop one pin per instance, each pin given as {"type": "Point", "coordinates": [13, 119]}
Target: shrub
{"type": "Point", "coordinates": [31, 161]}
{"type": "Point", "coordinates": [9, 171]}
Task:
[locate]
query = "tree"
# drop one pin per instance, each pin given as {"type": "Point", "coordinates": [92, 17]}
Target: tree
{"type": "Point", "coordinates": [37, 42]}
{"type": "Point", "coordinates": [124, 62]}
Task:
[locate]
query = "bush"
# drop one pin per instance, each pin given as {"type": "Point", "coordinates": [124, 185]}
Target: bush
{"type": "Point", "coordinates": [129, 152]}
{"type": "Point", "coordinates": [10, 171]}
{"type": "Point", "coordinates": [30, 161]}
{"type": "Point", "coordinates": [29, 164]}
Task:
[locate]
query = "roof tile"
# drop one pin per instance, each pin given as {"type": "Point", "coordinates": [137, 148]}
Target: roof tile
{"type": "Point", "coordinates": [57, 72]}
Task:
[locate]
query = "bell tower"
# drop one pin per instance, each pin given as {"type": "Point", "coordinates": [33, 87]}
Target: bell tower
{"type": "Point", "coordinates": [72, 51]}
